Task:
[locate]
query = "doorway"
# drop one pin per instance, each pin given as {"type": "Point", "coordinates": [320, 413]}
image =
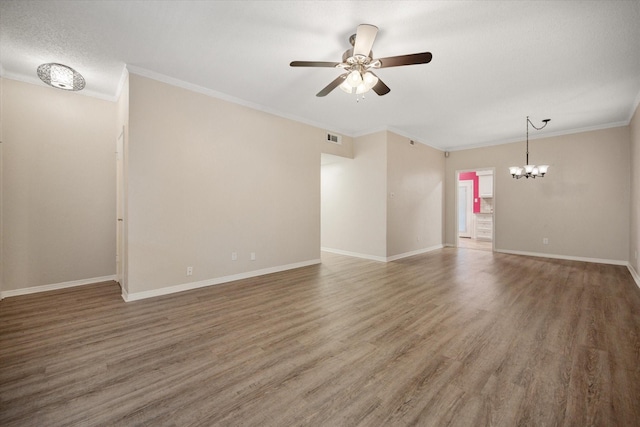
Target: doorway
{"type": "Point", "coordinates": [475, 209]}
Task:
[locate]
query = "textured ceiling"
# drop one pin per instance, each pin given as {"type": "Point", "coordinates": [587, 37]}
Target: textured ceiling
{"type": "Point", "coordinates": [494, 63]}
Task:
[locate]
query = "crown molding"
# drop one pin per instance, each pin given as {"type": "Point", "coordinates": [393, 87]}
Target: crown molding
{"type": "Point", "coordinates": [225, 97]}
{"type": "Point", "coordinates": [546, 135]}
{"type": "Point", "coordinates": [38, 82]}
{"type": "Point", "coordinates": [397, 132]}
{"type": "Point", "coordinates": [407, 135]}
{"type": "Point", "coordinates": [634, 108]}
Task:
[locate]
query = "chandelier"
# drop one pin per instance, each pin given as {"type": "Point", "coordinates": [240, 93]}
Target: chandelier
{"type": "Point", "coordinates": [530, 171]}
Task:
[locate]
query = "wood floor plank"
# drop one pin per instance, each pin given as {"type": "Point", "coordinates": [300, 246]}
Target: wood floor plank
{"type": "Point", "coordinates": [451, 337]}
{"type": "Point", "coordinates": [590, 388]}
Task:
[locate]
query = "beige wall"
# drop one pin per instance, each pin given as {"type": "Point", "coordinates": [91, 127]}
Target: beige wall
{"type": "Point", "coordinates": [344, 149]}
{"type": "Point", "coordinates": [57, 186]}
{"type": "Point", "coordinates": [581, 206]}
{"type": "Point", "coordinates": [354, 199]}
{"type": "Point", "coordinates": [207, 178]}
{"type": "Point", "coordinates": [634, 239]}
{"type": "Point", "coordinates": [387, 201]}
{"type": "Point", "coordinates": [415, 196]}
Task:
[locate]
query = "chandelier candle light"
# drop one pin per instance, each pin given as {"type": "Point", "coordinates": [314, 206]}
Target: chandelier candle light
{"type": "Point", "coordinates": [529, 170]}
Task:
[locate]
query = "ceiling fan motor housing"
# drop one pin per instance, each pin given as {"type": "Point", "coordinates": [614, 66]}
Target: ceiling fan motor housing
{"type": "Point", "coordinates": [349, 58]}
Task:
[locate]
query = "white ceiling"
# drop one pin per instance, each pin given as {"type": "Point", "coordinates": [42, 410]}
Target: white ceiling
{"type": "Point", "coordinates": [494, 62]}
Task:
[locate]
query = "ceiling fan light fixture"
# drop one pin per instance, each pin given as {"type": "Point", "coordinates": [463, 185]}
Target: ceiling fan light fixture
{"type": "Point", "coordinates": [346, 87]}
{"type": "Point", "coordinates": [61, 76]}
{"type": "Point", "coordinates": [366, 82]}
{"type": "Point", "coordinates": [357, 61]}
{"type": "Point", "coordinates": [370, 80]}
{"type": "Point", "coordinates": [354, 78]}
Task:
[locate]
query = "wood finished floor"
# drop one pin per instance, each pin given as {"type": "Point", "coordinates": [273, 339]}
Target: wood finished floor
{"type": "Point", "coordinates": [452, 337]}
{"type": "Point", "coordinates": [482, 245]}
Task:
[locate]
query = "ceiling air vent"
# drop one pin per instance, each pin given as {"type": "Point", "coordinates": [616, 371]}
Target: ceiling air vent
{"type": "Point", "coordinates": [334, 139]}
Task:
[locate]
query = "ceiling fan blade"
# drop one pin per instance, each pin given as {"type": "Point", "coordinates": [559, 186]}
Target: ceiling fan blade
{"type": "Point", "coordinates": [380, 88]}
{"type": "Point", "coordinates": [365, 35]}
{"type": "Point", "coordinates": [414, 58]}
{"type": "Point", "coordinates": [314, 64]}
{"type": "Point", "coordinates": [334, 84]}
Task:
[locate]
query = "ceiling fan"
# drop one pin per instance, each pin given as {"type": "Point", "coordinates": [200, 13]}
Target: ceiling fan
{"type": "Point", "coordinates": [358, 64]}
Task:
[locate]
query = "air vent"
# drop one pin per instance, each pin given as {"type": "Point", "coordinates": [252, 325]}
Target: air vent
{"type": "Point", "coordinates": [334, 139]}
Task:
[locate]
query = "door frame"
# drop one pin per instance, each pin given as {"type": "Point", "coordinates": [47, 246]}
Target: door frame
{"type": "Point", "coordinates": [470, 228]}
{"type": "Point", "coordinates": [120, 210]}
{"type": "Point", "coordinates": [455, 210]}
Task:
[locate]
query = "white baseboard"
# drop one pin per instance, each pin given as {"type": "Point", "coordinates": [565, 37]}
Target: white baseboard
{"type": "Point", "coordinates": [412, 253]}
{"type": "Point", "coordinates": [128, 297]}
{"type": "Point", "coordinates": [124, 294]}
{"type": "Point", "coordinates": [354, 254]}
{"type": "Point", "coordinates": [381, 258]}
{"type": "Point", "coordinates": [55, 286]}
{"type": "Point", "coordinates": [566, 257]}
{"type": "Point", "coordinates": [634, 274]}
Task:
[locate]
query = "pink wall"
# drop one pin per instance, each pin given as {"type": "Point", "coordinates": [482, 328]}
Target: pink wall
{"type": "Point", "coordinates": [471, 176]}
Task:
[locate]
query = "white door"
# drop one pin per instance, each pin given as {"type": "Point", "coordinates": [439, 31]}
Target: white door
{"type": "Point", "coordinates": [465, 208]}
{"type": "Point", "coordinates": [120, 208]}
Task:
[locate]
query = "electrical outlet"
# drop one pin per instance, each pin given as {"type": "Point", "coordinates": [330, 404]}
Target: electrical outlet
{"type": "Point", "coordinates": [234, 256]}
{"type": "Point", "coordinates": [253, 256]}
{"type": "Point", "coordinates": [189, 271]}
{"type": "Point", "coordinates": [545, 241]}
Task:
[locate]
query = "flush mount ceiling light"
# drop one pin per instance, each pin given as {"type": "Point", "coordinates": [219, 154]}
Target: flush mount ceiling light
{"type": "Point", "coordinates": [61, 76]}
{"type": "Point", "coordinates": [530, 171]}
